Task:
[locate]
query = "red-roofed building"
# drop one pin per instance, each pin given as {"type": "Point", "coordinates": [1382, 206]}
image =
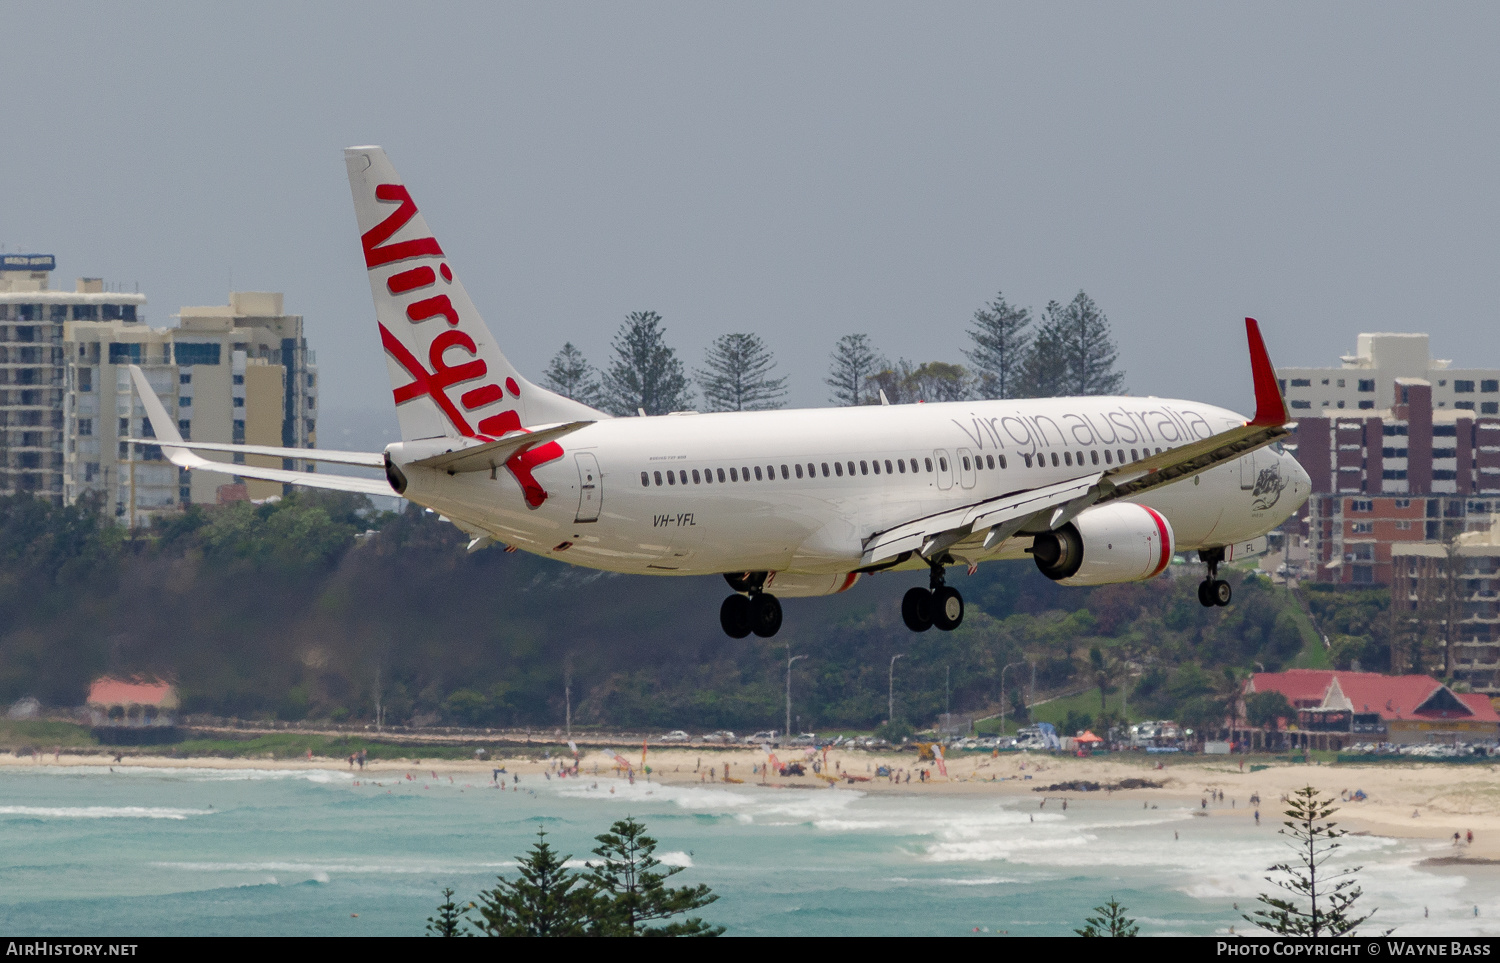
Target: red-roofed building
{"type": "Point", "coordinates": [132, 702]}
{"type": "Point", "coordinates": [1335, 709]}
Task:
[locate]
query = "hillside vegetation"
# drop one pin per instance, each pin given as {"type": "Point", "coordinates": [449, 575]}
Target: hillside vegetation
{"type": "Point", "coordinates": [289, 610]}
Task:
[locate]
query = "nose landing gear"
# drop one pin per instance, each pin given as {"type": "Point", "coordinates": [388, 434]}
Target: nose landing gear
{"type": "Point", "coordinates": [939, 605]}
{"type": "Point", "coordinates": [1213, 590]}
{"type": "Point", "coordinates": [757, 612]}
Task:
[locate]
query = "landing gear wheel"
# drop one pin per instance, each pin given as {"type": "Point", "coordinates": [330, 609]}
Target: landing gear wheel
{"type": "Point", "coordinates": [947, 608]}
{"type": "Point", "coordinates": [1205, 594]}
{"type": "Point", "coordinates": [916, 609]}
{"type": "Point", "coordinates": [1221, 592]}
{"type": "Point", "coordinates": [765, 615]}
{"type": "Point", "coordinates": [734, 616]}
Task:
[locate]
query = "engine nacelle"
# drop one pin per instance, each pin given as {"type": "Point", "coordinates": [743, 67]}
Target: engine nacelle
{"type": "Point", "coordinates": [1121, 542]}
{"type": "Point", "coordinates": [793, 585]}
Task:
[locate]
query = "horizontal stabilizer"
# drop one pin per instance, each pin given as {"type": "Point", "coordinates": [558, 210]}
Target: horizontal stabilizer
{"type": "Point", "coordinates": [369, 459]}
{"type": "Point", "coordinates": [492, 454]}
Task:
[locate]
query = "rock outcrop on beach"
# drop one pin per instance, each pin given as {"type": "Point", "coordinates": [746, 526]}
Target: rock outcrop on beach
{"type": "Point", "coordinates": [1084, 785]}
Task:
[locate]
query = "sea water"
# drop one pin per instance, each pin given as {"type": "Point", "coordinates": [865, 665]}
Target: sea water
{"type": "Point", "coordinates": [136, 851]}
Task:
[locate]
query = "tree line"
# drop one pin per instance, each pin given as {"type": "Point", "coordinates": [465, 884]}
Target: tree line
{"type": "Point", "coordinates": [1067, 349]}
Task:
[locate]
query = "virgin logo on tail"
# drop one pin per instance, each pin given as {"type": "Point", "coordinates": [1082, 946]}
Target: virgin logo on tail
{"type": "Point", "coordinates": [434, 383]}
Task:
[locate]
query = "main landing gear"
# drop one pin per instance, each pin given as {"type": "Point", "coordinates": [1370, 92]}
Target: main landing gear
{"type": "Point", "coordinates": [940, 605]}
{"type": "Point", "coordinates": [1213, 590]}
{"type": "Point", "coordinates": [757, 611]}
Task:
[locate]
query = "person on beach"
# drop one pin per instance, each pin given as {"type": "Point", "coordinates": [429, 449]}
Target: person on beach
{"type": "Point", "coordinates": [1257, 817]}
{"type": "Point", "coordinates": [1469, 837]}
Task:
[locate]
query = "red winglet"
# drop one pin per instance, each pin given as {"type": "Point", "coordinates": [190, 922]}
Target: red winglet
{"type": "Point", "coordinates": [1270, 407]}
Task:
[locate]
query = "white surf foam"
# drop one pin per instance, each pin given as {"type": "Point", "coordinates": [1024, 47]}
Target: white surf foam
{"type": "Point", "coordinates": [102, 812]}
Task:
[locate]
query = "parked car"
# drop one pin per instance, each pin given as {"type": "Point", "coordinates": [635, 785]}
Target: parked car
{"type": "Point", "coordinates": [768, 735]}
{"type": "Point", "coordinates": [676, 735]}
{"type": "Point", "coordinates": [804, 739]}
{"type": "Point", "coordinates": [723, 735]}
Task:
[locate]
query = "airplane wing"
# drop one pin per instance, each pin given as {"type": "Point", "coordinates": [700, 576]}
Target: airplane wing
{"type": "Point", "coordinates": [368, 459]}
{"type": "Point", "coordinates": [1043, 509]}
{"type": "Point", "coordinates": [180, 454]}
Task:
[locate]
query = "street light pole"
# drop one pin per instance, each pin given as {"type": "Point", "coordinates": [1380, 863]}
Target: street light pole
{"type": "Point", "coordinates": [1002, 693]}
{"type": "Point", "coordinates": [890, 703]}
{"type": "Point", "coordinates": [787, 734]}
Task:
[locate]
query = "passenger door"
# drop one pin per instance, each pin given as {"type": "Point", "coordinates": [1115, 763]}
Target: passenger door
{"type": "Point", "coordinates": [590, 487]}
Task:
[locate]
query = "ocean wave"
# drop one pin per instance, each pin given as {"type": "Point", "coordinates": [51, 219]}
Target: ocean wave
{"type": "Point", "coordinates": [102, 812]}
{"type": "Point", "coordinates": [319, 870]}
{"type": "Point", "coordinates": [953, 881]}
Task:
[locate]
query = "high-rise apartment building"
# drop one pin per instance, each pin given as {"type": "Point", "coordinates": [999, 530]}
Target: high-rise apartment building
{"type": "Point", "coordinates": [239, 373]}
{"type": "Point", "coordinates": [1393, 457]}
{"type": "Point", "coordinates": [34, 362]}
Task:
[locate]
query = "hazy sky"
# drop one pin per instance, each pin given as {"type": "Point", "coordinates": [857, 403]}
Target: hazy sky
{"type": "Point", "coordinates": [800, 170]}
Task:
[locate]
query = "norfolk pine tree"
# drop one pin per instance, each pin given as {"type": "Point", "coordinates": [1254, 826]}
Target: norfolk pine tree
{"type": "Point", "coordinates": [852, 366]}
{"type": "Point", "coordinates": [1088, 350]}
{"type": "Point", "coordinates": [1044, 369]}
{"type": "Point", "coordinates": [737, 375]}
{"type": "Point", "coordinates": [632, 896]}
{"type": "Point", "coordinates": [547, 899]}
{"type": "Point", "coordinates": [449, 915]}
{"type": "Point", "coordinates": [645, 374]}
{"type": "Point", "coordinates": [1315, 838]}
{"type": "Point", "coordinates": [570, 375]}
{"type": "Point", "coordinates": [1111, 921]}
{"type": "Point", "coordinates": [1000, 343]}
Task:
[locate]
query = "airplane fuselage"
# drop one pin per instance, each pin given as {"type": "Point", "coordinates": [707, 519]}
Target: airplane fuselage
{"type": "Point", "coordinates": [798, 491]}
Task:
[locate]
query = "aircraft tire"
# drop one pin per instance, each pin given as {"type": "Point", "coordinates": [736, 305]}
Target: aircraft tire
{"type": "Point", "coordinates": [1205, 594]}
{"type": "Point", "coordinates": [1221, 593]}
{"type": "Point", "coordinates": [765, 615]}
{"type": "Point", "coordinates": [947, 608]}
{"type": "Point", "coordinates": [734, 616]}
{"type": "Point", "coordinates": [916, 609]}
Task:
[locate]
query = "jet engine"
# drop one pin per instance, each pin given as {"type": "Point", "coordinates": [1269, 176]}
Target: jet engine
{"type": "Point", "coordinates": [793, 585]}
{"type": "Point", "coordinates": [1120, 542]}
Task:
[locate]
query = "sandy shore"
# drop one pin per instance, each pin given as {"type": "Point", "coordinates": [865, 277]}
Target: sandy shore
{"type": "Point", "coordinates": [1413, 800]}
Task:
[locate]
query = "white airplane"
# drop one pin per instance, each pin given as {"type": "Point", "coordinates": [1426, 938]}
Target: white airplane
{"type": "Point", "coordinates": [782, 503]}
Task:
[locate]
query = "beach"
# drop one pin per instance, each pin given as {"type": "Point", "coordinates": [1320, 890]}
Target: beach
{"type": "Point", "coordinates": [1406, 800]}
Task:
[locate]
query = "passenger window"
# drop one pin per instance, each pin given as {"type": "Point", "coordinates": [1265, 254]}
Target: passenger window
{"type": "Point", "coordinates": [757, 473]}
{"type": "Point", "coordinates": [682, 476]}
{"type": "Point", "coordinates": [966, 463]}
{"type": "Point", "coordinates": [785, 473]}
{"type": "Point", "coordinates": [1158, 451]}
{"type": "Point", "coordinates": [876, 465]}
{"type": "Point", "coordinates": [1120, 455]}
{"type": "Point", "coordinates": [825, 469]}
{"type": "Point", "coordinates": [864, 468]}
{"type": "Point", "coordinates": [928, 463]}
{"type": "Point", "coordinates": [658, 479]}
{"type": "Point", "coordinates": [1134, 456]}
{"type": "Point", "coordinates": [1026, 459]}
{"type": "Point", "coordinates": [645, 480]}
{"type": "Point", "coordinates": [770, 473]}
{"type": "Point", "coordinates": [1094, 457]}
{"type": "Point", "coordinates": [696, 479]}
{"type": "Point", "coordinates": [734, 474]}
{"type": "Point", "coordinates": [901, 464]}
{"type": "Point", "coordinates": [1002, 461]}
{"type": "Point", "coordinates": [943, 463]}
{"type": "Point", "coordinates": [1054, 459]}
{"type": "Point", "coordinates": [708, 476]}
{"type": "Point", "coordinates": [887, 466]}
{"type": "Point", "coordinates": [838, 468]}
{"type": "Point", "coordinates": [989, 462]}
{"type": "Point", "coordinates": [721, 474]}
{"type": "Point", "coordinates": [744, 474]}
{"type": "Point", "coordinates": [1107, 459]}
{"type": "Point", "coordinates": [1067, 458]}
{"type": "Point", "coordinates": [915, 467]}
{"type": "Point", "coordinates": [851, 469]}
{"type": "Point", "coordinates": [671, 478]}
{"type": "Point", "coordinates": [799, 471]}
{"type": "Point", "coordinates": [812, 470]}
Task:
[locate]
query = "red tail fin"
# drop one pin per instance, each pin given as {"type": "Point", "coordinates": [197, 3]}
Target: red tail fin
{"type": "Point", "coordinates": [1270, 407]}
